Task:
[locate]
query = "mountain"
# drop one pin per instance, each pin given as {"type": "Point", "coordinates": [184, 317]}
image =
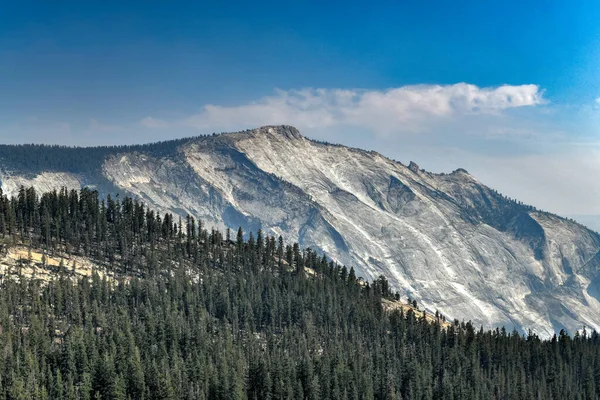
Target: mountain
{"type": "Point", "coordinates": [446, 240]}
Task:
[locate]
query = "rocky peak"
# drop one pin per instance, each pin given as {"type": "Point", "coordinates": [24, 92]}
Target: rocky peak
{"type": "Point", "coordinates": [286, 131]}
{"type": "Point", "coordinates": [460, 171]}
{"type": "Point", "coordinates": [414, 167]}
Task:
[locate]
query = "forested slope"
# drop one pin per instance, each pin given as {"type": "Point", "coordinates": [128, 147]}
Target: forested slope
{"type": "Point", "coordinates": [195, 314]}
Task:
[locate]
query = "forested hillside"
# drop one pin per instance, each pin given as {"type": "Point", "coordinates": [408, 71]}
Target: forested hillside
{"type": "Point", "coordinates": [197, 314]}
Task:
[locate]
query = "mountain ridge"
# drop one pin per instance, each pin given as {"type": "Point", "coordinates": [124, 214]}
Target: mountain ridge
{"type": "Point", "coordinates": [445, 239]}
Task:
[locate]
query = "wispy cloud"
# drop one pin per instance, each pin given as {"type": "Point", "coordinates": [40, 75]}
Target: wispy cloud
{"type": "Point", "coordinates": [97, 126]}
{"type": "Point", "coordinates": [150, 122]}
{"type": "Point", "coordinates": [406, 108]}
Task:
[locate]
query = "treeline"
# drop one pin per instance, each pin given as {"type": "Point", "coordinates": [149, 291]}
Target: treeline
{"type": "Point", "coordinates": [196, 314]}
{"type": "Point", "coordinates": [36, 158]}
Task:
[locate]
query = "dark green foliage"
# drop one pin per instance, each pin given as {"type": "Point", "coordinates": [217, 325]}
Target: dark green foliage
{"type": "Point", "coordinates": [196, 316]}
{"type": "Point", "coordinates": [35, 158]}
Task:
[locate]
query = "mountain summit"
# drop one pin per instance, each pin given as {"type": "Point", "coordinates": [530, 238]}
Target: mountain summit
{"type": "Point", "coordinates": [446, 240]}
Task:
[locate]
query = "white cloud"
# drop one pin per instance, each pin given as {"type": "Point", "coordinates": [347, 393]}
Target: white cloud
{"type": "Point", "coordinates": [407, 108]}
{"type": "Point", "coordinates": [150, 122]}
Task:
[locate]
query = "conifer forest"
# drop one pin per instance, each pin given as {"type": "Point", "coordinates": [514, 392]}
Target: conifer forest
{"type": "Point", "coordinates": [180, 311]}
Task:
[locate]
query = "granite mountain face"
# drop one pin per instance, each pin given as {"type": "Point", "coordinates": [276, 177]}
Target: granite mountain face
{"type": "Point", "coordinates": [446, 240]}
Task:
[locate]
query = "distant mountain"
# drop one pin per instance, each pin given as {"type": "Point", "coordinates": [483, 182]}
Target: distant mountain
{"type": "Point", "coordinates": [446, 240]}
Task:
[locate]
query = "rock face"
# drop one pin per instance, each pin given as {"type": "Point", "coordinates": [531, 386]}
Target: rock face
{"type": "Point", "coordinates": [446, 240]}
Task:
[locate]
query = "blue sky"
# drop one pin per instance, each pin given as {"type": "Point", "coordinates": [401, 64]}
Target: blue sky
{"type": "Point", "coordinates": [497, 88]}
